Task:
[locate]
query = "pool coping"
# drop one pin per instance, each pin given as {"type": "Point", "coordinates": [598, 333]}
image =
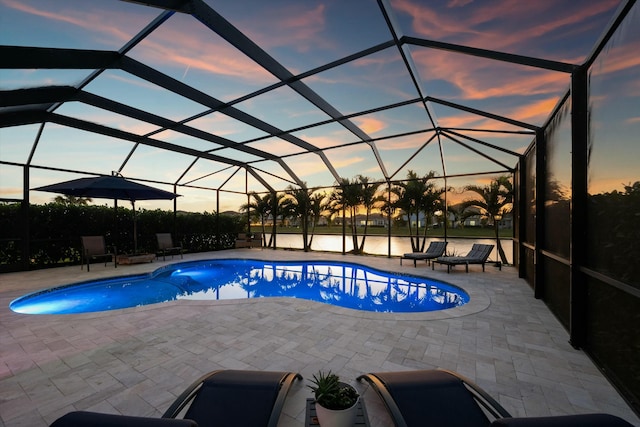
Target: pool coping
{"type": "Point", "coordinates": [478, 299]}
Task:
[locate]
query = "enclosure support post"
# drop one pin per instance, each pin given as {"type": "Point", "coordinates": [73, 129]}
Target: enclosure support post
{"type": "Point", "coordinates": [344, 231]}
{"type": "Point", "coordinates": [540, 244]}
{"type": "Point", "coordinates": [389, 219]}
{"type": "Point", "coordinates": [175, 214]}
{"type": "Point", "coordinates": [521, 215]}
{"type": "Point", "coordinates": [26, 232]}
{"type": "Point", "coordinates": [274, 216]}
{"type": "Point", "coordinates": [218, 238]}
{"type": "Point", "coordinates": [579, 223]}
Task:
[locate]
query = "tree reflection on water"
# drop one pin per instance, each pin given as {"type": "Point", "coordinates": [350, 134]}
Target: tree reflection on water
{"type": "Point", "coordinates": [345, 285]}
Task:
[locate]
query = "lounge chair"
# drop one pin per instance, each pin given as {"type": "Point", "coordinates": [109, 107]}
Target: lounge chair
{"type": "Point", "coordinates": [95, 247]}
{"type": "Point", "coordinates": [95, 419]}
{"type": "Point", "coordinates": [435, 250]}
{"type": "Point", "coordinates": [256, 240]}
{"type": "Point", "coordinates": [243, 241]}
{"type": "Point", "coordinates": [445, 398]}
{"type": "Point", "coordinates": [478, 254]}
{"type": "Point", "coordinates": [582, 420]}
{"type": "Point", "coordinates": [433, 397]}
{"type": "Point", "coordinates": [221, 398]}
{"type": "Point", "coordinates": [166, 246]}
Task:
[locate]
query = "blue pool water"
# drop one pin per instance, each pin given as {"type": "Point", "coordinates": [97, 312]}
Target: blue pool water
{"type": "Point", "coordinates": [342, 284]}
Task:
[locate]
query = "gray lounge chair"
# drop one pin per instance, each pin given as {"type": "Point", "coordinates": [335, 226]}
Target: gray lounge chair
{"type": "Point", "coordinates": [478, 254]}
{"type": "Point", "coordinates": [95, 247]}
{"type": "Point", "coordinates": [166, 246]}
{"type": "Point", "coordinates": [582, 420]}
{"type": "Point", "coordinates": [243, 241]}
{"type": "Point", "coordinates": [95, 419]}
{"type": "Point", "coordinates": [435, 250]}
{"type": "Point", "coordinates": [256, 240]}
{"type": "Point", "coordinates": [225, 398]}
{"type": "Point", "coordinates": [445, 398]}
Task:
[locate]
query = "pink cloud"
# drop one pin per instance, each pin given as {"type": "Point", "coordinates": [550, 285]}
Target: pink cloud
{"type": "Point", "coordinates": [178, 42]}
{"type": "Point", "coordinates": [298, 24]}
{"type": "Point", "coordinates": [533, 112]}
{"type": "Point", "coordinates": [458, 3]}
{"type": "Point", "coordinates": [481, 79]}
{"type": "Point", "coordinates": [96, 21]}
{"type": "Point", "coordinates": [512, 26]}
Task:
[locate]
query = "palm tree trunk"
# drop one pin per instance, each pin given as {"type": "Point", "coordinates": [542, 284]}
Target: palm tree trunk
{"type": "Point", "coordinates": [313, 232]}
{"type": "Point", "coordinates": [273, 233]}
{"type": "Point", "coordinates": [410, 232]}
{"type": "Point", "coordinates": [364, 233]}
{"type": "Point", "coordinates": [415, 247]}
{"type": "Point", "coordinates": [305, 232]}
{"type": "Point", "coordinates": [354, 230]}
{"type": "Point", "coordinates": [264, 230]}
{"type": "Point", "coordinates": [501, 254]}
{"type": "Point", "coordinates": [424, 235]}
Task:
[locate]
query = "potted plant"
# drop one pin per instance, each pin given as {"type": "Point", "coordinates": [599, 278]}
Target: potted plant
{"type": "Point", "coordinates": [336, 401]}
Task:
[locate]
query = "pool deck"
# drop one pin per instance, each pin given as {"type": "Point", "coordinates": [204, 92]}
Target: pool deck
{"type": "Point", "coordinates": [136, 361]}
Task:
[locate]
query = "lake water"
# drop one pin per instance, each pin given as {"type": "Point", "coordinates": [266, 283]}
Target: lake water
{"type": "Point", "coordinates": [378, 245]}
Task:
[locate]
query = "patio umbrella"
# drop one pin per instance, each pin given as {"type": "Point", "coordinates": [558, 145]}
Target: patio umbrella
{"type": "Point", "coordinates": [110, 187]}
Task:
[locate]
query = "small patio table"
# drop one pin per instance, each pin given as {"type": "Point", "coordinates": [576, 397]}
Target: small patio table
{"type": "Point", "coordinates": [311, 420]}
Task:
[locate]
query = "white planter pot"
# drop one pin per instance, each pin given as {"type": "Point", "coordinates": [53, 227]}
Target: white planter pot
{"type": "Point", "coordinates": [337, 418]}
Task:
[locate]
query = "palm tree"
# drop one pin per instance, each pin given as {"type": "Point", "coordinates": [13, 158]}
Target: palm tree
{"type": "Point", "coordinates": [495, 200]}
{"type": "Point", "coordinates": [368, 199]}
{"type": "Point", "coordinates": [275, 204]}
{"type": "Point", "coordinates": [259, 208]}
{"type": "Point", "coordinates": [431, 202]}
{"type": "Point", "coordinates": [298, 205]}
{"type": "Point", "coordinates": [318, 207]}
{"type": "Point", "coordinates": [346, 197]}
{"type": "Point", "coordinates": [72, 200]}
{"type": "Point", "coordinates": [413, 196]}
{"type": "Point", "coordinates": [457, 211]}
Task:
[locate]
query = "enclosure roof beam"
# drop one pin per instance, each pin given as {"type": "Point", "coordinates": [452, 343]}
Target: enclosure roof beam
{"type": "Point", "coordinates": [492, 54]}
{"type": "Point", "coordinates": [127, 136]}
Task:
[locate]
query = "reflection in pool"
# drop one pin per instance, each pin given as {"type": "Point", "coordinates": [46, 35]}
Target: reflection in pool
{"type": "Point", "coordinates": [342, 284]}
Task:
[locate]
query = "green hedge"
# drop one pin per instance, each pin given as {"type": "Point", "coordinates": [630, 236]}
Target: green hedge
{"type": "Point", "coordinates": [55, 231]}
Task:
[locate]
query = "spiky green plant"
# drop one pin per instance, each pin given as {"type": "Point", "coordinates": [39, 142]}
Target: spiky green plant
{"type": "Point", "coordinates": [331, 393]}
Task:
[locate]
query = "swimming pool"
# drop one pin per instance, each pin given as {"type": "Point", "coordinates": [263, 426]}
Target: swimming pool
{"type": "Point", "coordinates": [342, 284]}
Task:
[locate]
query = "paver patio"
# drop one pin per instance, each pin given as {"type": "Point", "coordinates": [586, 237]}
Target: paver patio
{"type": "Point", "coordinates": [136, 361]}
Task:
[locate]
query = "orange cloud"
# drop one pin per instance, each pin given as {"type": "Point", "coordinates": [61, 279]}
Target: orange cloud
{"type": "Point", "coordinates": [619, 58]}
{"type": "Point", "coordinates": [370, 125]}
{"type": "Point", "coordinates": [307, 165]}
{"type": "Point", "coordinates": [405, 143]}
{"type": "Point", "coordinates": [480, 79]}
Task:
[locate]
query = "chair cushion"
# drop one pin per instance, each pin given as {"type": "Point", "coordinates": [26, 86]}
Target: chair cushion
{"type": "Point", "coordinates": [236, 398]}
{"type": "Point", "coordinates": [433, 398]}
{"type": "Point", "coordinates": [94, 419]}
{"type": "Point", "coordinates": [585, 420]}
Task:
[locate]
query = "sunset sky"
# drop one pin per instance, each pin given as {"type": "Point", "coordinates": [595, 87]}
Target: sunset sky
{"type": "Point", "coordinates": [299, 36]}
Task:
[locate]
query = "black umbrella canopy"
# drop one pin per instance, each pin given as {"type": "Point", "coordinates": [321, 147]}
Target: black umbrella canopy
{"type": "Point", "coordinates": [108, 187]}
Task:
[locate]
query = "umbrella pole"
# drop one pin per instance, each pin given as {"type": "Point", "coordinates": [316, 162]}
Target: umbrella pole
{"type": "Point", "coordinates": [135, 229]}
{"type": "Point", "coordinates": [116, 234]}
